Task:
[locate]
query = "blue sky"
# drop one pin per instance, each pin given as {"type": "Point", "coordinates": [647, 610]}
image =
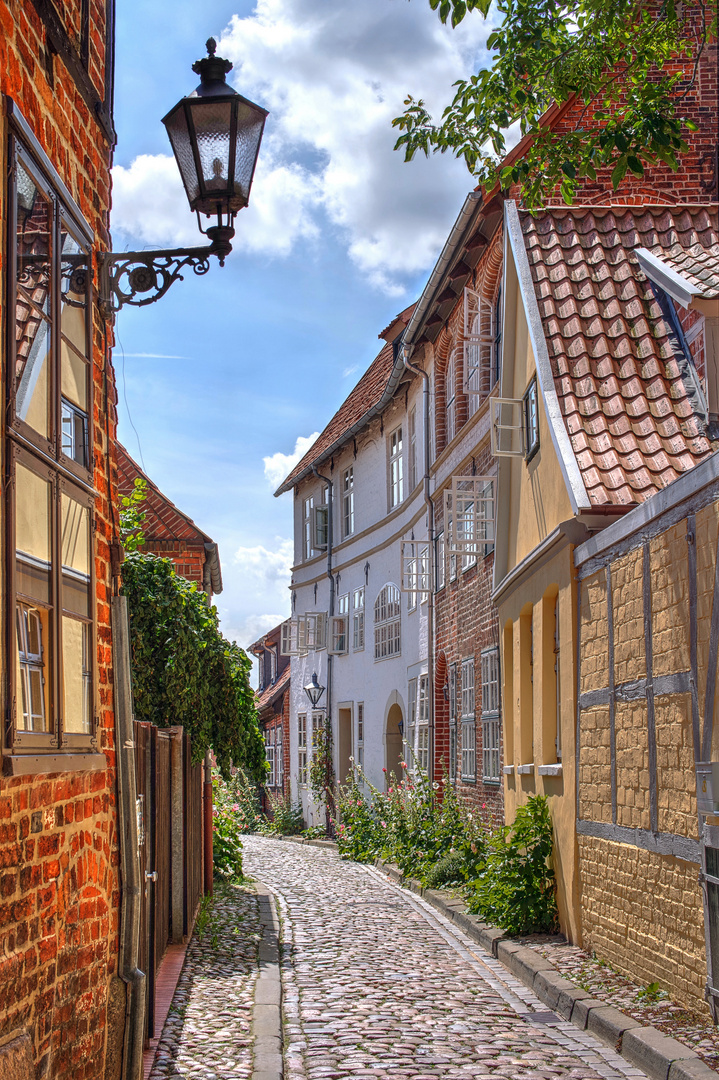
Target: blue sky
{"type": "Point", "coordinates": [219, 380]}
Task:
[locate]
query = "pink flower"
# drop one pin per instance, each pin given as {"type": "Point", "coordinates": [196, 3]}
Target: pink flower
{"type": "Point", "coordinates": [235, 806]}
{"type": "Point", "coordinates": [484, 806]}
{"type": "Point", "coordinates": [359, 802]}
{"type": "Point", "coordinates": [403, 764]}
{"type": "Point", "coordinates": [390, 791]}
{"type": "Point", "coordinates": [384, 770]}
{"type": "Point", "coordinates": [383, 824]}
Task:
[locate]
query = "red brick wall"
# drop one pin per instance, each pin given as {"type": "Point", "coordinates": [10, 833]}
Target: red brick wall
{"type": "Point", "coordinates": [59, 889]}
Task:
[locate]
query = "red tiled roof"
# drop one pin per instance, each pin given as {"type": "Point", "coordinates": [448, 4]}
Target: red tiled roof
{"type": "Point", "coordinates": [365, 395]}
{"type": "Point", "coordinates": [613, 357]}
{"type": "Point", "coordinates": [272, 691]}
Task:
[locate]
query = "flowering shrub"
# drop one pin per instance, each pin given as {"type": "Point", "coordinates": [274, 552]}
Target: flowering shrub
{"type": "Point", "coordinates": [286, 817]}
{"type": "Point", "coordinates": [238, 799]}
{"type": "Point", "coordinates": [226, 845]}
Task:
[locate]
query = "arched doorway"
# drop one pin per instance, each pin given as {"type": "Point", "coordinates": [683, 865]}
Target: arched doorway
{"type": "Point", "coordinates": [393, 742]}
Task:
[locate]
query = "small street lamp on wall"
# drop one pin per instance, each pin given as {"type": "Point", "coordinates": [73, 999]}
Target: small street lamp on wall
{"type": "Point", "coordinates": [314, 691]}
{"type": "Point", "coordinates": [215, 135]}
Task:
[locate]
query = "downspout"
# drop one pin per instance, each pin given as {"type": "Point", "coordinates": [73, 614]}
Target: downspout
{"type": "Point", "coordinates": [330, 797]}
{"type": "Point", "coordinates": [406, 353]}
{"type": "Point", "coordinates": [132, 886]}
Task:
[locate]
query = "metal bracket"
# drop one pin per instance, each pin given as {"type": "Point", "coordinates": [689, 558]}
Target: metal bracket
{"type": "Point", "coordinates": [142, 277]}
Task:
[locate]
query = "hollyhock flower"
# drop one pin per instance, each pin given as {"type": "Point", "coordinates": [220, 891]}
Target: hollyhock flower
{"type": "Point", "coordinates": [384, 770]}
{"type": "Point", "coordinates": [235, 806]}
{"type": "Point", "coordinates": [383, 824]}
{"type": "Point", "coordinates": [403, 764]}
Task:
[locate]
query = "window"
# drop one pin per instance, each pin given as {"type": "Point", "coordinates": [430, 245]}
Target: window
{"type": "Point", "coordinates": [307, 508]}
{"type": "Point", "coordinates": [468, 721]}
{"type": "Point", "coordinates": [490, 715]}
{"type": "Point", "coordinates": [358, 619]}
{"type": "Point", "coordinates": [452, 554]}
{"type": "Point", "coordinates": [450, 397]}
{"type": "Point", "coordinates": [396, 469]}
{"type": "Point", "coordinates": [318, 726]}
{"type": "Point", "coordinates": [360, 734]}
{"type": "Point", "coordinates": [531, 419]}
{"type": "Point", "coordinates": [423, 724]}
{"type": "Point", "coordinates": [348, 501]}
{"type": "Point", "coordinates": [439, 562]}
{"type": "Point", "coordinates": [50, 501]}
{"type": "Point", "coordinates": [339, 627]}
{"type": "Point", "coordinates": [410, 751]}
{"type": "Point", "coordinates": [273, 665]}
{"type": "Point", "coordinates": [279, 757]}
{"type": "Point", "coordinates": [479, 348]}
{"type": "Point", "coordinates": [557, 682]}
{"type": "Point", "coordinates": [270, 755]}
{"type": "Point", "coordinates": [470, 500]}
{"type": "Point", "coordinates": [387, 629]}
{"type": "Point", "coordinates": [415, 559]}
{"type": "Point", "coordinates": [302, 747]}
{"type": "Point", "coordinates": [453, 722]}
{"type": "Point", "coordinates": [413, 448]}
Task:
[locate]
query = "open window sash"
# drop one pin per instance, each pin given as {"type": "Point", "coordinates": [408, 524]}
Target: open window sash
{"type": "Point", "coordinates": [320, 527]}
{"type": "Point", "coordinates": [470, 514]}
{"type": "Point", "coordinates": [507, 427]}
{"type": "Point", "coordinates": [289, 637]}
{"type": "Point", "coordinates": [416, 566]}
{"type": "Point", "coordinates": [479, 345]}
{"type": "Point", "coordinates": [312, 635]}
{"type": "Point", "coordinates": [338, 643]}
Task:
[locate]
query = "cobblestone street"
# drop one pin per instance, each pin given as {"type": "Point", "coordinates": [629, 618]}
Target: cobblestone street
{"type": "Point", "coordinates": [377, 984]}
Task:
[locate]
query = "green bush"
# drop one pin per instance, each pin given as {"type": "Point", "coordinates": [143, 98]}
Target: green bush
{"type": "Point", "coordinates": [238, 798]}
{"type": "Point", "coordinates": [449, 870]}
{"type": "Point", "coordinates": [516, 890]}
{"type": "Point", "coordinates": [286, 820]}
{"type": "Point", "coordinates": [226, 846]}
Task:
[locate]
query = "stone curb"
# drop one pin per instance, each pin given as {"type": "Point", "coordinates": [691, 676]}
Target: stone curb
{"type": "Point", "coordinates": [658, 1055]}
{"type": "Point", "coordinates": [331, 844]}
{"type": "Point", "coordinates": [267, 1061]}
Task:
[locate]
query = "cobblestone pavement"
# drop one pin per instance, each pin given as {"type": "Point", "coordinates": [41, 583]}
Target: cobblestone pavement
{"type": "Point", "coordinates": [207, 1033]}
{"type": "Point", "coordinates": [377, 984]}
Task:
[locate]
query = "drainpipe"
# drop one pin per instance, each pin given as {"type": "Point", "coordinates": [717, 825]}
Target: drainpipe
{"type": "Point", "coordinates": [128, 834]}
{"type": "Point", "coordinates": [406, 353]}
{"type": "Point", "coordinates": [330, 797]}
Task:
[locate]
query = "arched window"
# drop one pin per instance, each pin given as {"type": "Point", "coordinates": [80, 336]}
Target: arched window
{"type": "Point", "coordinates": [450, 394]}
{"type": "Point", "coordinates": [387, 634]}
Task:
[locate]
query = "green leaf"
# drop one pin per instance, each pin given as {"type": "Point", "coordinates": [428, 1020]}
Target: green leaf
{"type": "Point", "coordinates": [619, 171]}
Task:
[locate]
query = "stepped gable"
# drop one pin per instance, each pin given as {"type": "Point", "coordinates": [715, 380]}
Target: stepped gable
{"type": "Point", "coordinates": [615, 361]}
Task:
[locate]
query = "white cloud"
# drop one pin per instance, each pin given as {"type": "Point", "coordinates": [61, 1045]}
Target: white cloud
{"type": "Point", "coordinates": [278, 466]}
{"type": "Point", "coordinates": [350, 371]}
{"type": "Point", "coordinates": [333, 76]}
{"type": "Point", "coordinates": [260, 577]}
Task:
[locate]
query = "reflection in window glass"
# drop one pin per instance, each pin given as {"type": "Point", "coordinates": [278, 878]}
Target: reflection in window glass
{"type": "Point", "coordinates": [32, 310]}
{"type": "Point", "coordinates": [77, 676]}
{"type": "Point", "coordinates": [31, 684]}
{"type": "Point", "coordinates": [74, 434]}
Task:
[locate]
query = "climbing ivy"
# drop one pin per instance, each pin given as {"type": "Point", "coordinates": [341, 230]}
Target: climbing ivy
{"type": "Point", "coordinates": [184, 671]}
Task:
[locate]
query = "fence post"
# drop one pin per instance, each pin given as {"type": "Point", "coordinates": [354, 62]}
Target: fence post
{"type": "Point", "coordinates": [177, 794]}
{"type": "Point", "coordinates": [207, 799]}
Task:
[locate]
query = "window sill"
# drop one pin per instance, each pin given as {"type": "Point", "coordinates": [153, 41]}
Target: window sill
{"type": "Point", "coordinates": [526, 770]}
{"type": "Point", "coordinates": [35, 764]}
{"type": "Point", "coordinates": [508, 770]}
{"type": "Point", "coordinates": [550, 770]}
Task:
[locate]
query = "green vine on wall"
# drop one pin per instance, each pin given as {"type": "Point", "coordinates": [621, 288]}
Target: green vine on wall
{"type": "Point", "coordinates": [184, 671]}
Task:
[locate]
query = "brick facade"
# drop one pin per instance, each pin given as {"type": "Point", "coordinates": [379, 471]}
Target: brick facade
{"type": "Point", "coordinates": [59, 887]}
{"type": "Point", "coordinates": [273, 710]}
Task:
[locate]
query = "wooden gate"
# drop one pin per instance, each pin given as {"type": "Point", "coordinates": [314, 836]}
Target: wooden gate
{"type": "Point", "coordinates": [170, 788]}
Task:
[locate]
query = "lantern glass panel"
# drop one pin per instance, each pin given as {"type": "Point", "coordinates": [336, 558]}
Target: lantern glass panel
{"type": "Point", "coordinates": [178, 130]}
{"type": "Point", "coordinates": [212, 121]}
{"type": "Point", "coordinates": [250, 122]}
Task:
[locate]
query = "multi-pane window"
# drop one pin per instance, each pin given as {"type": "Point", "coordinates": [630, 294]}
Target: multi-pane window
{"type": "Point", "coordinates": [302, 747]}
{"type": "Point", "coordinates": [412, 427]}
{"type": "Point", "coordinates": [307, 507]}
{"type": "Point", "coordinates": [490, 715]}
{"type": "Point", "coordinates": [49, 486]}
{"type": "Point", "coordinates": [479, 347]}
{"type": "Point", "coordinates": [411, 721]}
{"type": "Point", "coordinates": [450, 396]}
{"type": "Point", "coordinates": [348, 501]}
{"type": "Point", "coordinates": [423, 724]}
{"type": "Point", "coordinates": [557, 682]}
{"type": "Point", "coordinates": [279, 756]}
{"type": "Point", "coordinates": [270, 755]}
{"type": "Point", "coordinates": [360, 734]}
{"type": "Point", "coordinates": [468, 720]}
{"type": "Point", "coordinates": [453, 722]}
{"type": "Point", "coordinates": [358, 619]}
{"type": "Point", "coordinates": [531, 419]}
{"type": "Point", "coordinates": [387, 623]}
{"type": "Point", "coordinates": [452, 554]}
{"type": "Point", "coordinates": [439, 562]}
{"type": "Point", "coordinates": [396, 468]}
{"type": "Point", "coordinates": [273, 665]}
{"type": "Point", "coordinates": [339, 626]}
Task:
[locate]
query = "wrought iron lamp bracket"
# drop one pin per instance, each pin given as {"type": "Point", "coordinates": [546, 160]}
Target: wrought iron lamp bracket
{"type": "Point", "coordinates": [139, 278]}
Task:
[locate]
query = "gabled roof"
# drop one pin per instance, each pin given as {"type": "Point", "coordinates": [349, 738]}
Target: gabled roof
{"type": "Point", "coordinates": [626, 388]}
{"type": "Point", "coordinates": [164, 520]}
{"type": "Point", "coordinates": [273, 691]}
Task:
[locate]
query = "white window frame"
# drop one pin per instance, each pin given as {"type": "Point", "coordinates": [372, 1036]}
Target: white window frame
{"type": "Point", "coordinates": [409, 747]}
{"type": "Point", "coordinates": [387, 628]}
{"type": "Point", "coordinates": [337, 644]}
{"type": "Point", "coordinates": [416, 577]}
{"type": "Point", "coordinates": [479, 347]}
{"type": "Point", "coordinates": [395, 467]}
{"type": "Point", "coordinates": [412, 433]}
{"type": "Point", "coordinates": [312, 632]}
{"type": "Point", "coordinates": [506, 424]}
{"type": "Point", "coordinates": [302, 748]}
{"type": "Point", "coordinates": [348, 502]}
{"type": "Point", "coordinates": [307, 527]}
{"type": "Point", "coordinates": [289, 637]}
{"type": "Point", "coordinates": [279, 757]}
{"type": "Point", "coordinates": [270, 755]}
{"type": "Point", "coordinates": [470, 505]}
{"type": "Point", "coordinates": [439, 557]}
{"type": "Point", "coordinates": [423, 723]}
{"type": "Point", "coordinates": [469, 730]}
{"type": "Point", "coordinates": [358, 597]}
{"type": "Point", "coordinates": [450, 397]}
{"type": "Point", "coordinates": [531, 418]}
{"type": "Point", "coordinates": [320, 527]}
{"type": "Point", "coordinates": [489, 662]}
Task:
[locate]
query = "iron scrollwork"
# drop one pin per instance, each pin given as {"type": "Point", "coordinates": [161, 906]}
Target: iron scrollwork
{"type": "Point", "coordinates": [142, 277]}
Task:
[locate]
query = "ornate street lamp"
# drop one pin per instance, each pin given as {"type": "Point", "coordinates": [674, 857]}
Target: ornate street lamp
{"type": "Point", "coordinates": [215, 135]}
{"type": "Point", "coordinates": [314, 691]}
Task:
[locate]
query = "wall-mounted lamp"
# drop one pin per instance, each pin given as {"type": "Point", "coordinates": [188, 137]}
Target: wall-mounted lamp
{"type": "Point", "coordinates": [215, 135]}
{"type": "Point", "coordinates": [313, 690]}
